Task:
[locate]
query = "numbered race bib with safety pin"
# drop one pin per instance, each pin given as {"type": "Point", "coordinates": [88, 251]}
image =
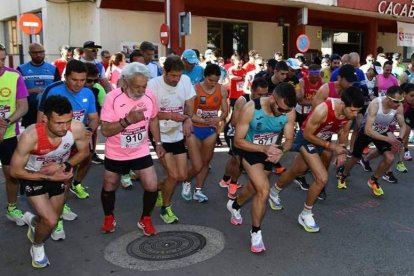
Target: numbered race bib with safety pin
{"type": "Point", "coordinates": [207, 113]}
{"type": "Point", "coordinates": [265, 138]}
{"type": "Point", "coordinates": [380, 128]}
{"type": "Point", "coordinates": [326, 135]}
{"type": "Point", "coordinates": [78, 115]}
{"type": "Point", "coordinates": [132, 138]}
{"type": "Point", "coordinates": [5, 111]}
{"type": "Point", "coordinates": [171, 123]}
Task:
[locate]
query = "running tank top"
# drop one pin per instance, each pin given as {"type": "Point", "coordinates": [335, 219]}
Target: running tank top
{"type": "Point", "coordinates": [264, 129]}
{"type": "Point", "coordinates": [382, 121]}
{"type": "Point", "coordinates": [207, 105]}
{"type": "Point", "coordinates": [229, 129]}
{"type": "Point", "coordinates": [309, 90]}
{"type": "Point", "coordinates": [331, 125]}
{"type": "Point", "coordinates": [332, 91]}
{"type": "Point", "coordinates": [46, 152]}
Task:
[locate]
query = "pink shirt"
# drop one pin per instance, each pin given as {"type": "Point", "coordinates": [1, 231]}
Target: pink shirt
{"type": "Point", "coordinates": [132, 142]}
{"type": "Point", "coordinates": [385, 83]}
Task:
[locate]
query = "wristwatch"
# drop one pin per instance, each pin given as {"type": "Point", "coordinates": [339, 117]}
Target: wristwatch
{"type": "Point", "coordinates": [158, 143]}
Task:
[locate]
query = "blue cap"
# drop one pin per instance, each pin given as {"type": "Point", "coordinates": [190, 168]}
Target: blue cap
{"type": "Point", "coordinates": [190, 56]}
{"type": "Point", "coordinates": [293, 63]}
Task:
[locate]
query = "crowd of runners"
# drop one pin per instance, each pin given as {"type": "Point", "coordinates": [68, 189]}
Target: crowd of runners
{"type": "Point", "coordinates": [326, 111]}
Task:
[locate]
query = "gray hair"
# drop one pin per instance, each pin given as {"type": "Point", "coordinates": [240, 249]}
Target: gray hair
{"type": "Point", "coordinates": [135, 69]}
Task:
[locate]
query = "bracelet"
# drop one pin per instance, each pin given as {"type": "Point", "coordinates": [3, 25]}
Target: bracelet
{"type": "Point", "coordinates": [126, 121]}
{"type": "Point", "coordinates": [158, 143]}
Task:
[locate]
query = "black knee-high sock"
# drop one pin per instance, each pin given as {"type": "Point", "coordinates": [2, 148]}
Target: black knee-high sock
{"type": "Point", "coordinates": [108, 202]}
{"type": "Point", "coordinates": [149, 200]}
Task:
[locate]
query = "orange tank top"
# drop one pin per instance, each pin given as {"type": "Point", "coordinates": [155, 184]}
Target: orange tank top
{"type": "Point", "coordinates": [207, 105]}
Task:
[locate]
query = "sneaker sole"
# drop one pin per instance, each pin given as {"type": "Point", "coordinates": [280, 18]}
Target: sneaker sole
{"type": "Point", "coordinates": [73, 192]}
{"type": "Point", "coordinates": [257, 250]}
{"type": "Point", "coordinates": [36, 265]}
{"type": "Point", "coordinates": [168, 222]}
{"type": "Point", "coordinates": [372, 191]}
{"type": "Point", "coordinates": [62, 238]}
{"type": "Point", "coordinates": [389, 181]}
{"type": "Point", "coordinates": [274, 206]}
{"type": "Point", "coordinates": [18, 221]}
{"type": "Point", "coordinates": [300, 185]}
{"type": "Point", "coordinates": [110, 231]}
{"type": "Point", "coordinates": [307, 229]}
{"type": "Point", "coordinates": [223, 185]}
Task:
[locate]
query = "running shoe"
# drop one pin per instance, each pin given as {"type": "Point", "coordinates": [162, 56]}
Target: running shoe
{"type": "Point", "coordinates": [274, 200]}
{"type": "Point", "coordinates": [301, 181]}
{"type": "Point", "coordinates": [28, 219]}
{"type": "Point", "coordinates": [200, 196]}
{"type": "Point", "coordinates": [342, 183]}
{"type": "Point", "coordinates": [407, 156]}
{"type": "Point", "coordinates": [278, 169]}
{"type": "Point", "coordinates": [232, 191]}
{"type": "Point", "coordinates": [96, 159]}
{"type": "Point", "coordinates": [186, 191]}
{"type": "Point", "coordinates": [224, 184]}
{"type": "Point", "coordinates": [236, 218]}
{"type": "Point", "coordinates": [16, 215]}
{"type": "Point", "coordinates": [365, 165]}
{"type": "Point", "coordinates": [389, 177]}
{"type": "Point", "coordinates": [168, 216]}
{"type": "Point", "coordinates": [159, 201]}
{"type": "Point", "coordinates": [126, 181]}
{"type": "Point", "coordinates": [39, 258]}
{"type": "Point", "coordinates": [257, 245]}
{"type": "Point", "coordinates": [322, 195]}
{"type": "Point", "coordinates": [145, 224]}
{"type": "Point", "coordinates": [376, 189]}
{"type": "Point", "coordinates": [58, 233]}
{"type": "Point", "coordinates": [109, 224]}
{"type": "Point", "coordinates": [79, 191]}
{"type": "Point", "coordinates": [67, 213]}
{"type": "Point", "coordinates": [308, 222]}
{"type": "Point", "coordinates": [401, 167]}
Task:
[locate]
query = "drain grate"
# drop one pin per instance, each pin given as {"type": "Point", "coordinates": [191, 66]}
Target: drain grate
{"type": "Point", "coordinates": [169, 245]}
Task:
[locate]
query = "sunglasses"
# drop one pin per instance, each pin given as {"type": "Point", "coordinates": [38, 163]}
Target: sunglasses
{"type": "Point", "coordinates": [92, 50]}
{"type": "Point", "coordinates": [395, 100]}
{"type": "Point", "coordinates": [281, 110]}
{"type": "Point", "coordinates": [92, 80]}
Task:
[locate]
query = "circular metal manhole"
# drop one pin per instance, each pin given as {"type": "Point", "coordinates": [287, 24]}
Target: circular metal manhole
{"type": "Point", "coordinates": [170, 245]}
{"type": "Point", "coordinates": [174, 246]}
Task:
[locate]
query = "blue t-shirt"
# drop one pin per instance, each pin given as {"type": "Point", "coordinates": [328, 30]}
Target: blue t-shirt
{"type": "Point", "coordinates": [83, 102]}
{"type": "Point", "coordinates": [38, 76]}
{"type": "Point", "coordinates": [360, 76]}
{"type": "Point", "coordinates": [196, 75]}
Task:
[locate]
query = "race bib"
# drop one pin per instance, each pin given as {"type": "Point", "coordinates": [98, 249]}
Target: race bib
{"type": "Point", "coordinates": [239, 85]}
{"type": "Point", "coordinates": [78, 115]}
{"type": "Point", "coordinates": [325, 135]}
{"type": "Point", "coordinates": [207, 113]}
{"type": "Point", "coordinates": [132, 138]}
{"type": "Point", "coordinates": [265, 138]}
{"type": "Point", "coordinates": [170, 123]}
{"type": "Point", "coordinates": [306, 109]}
{"type": "Point", "coordinates": [5, 111]}
{"type": "Point", "coordinates": [379, 128]}
{"type": "Point", "coordinates": [382, 92]}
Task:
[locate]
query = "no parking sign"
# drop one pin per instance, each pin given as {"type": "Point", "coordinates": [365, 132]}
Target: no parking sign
{"type": "Point", "coordinates": [303, 43]}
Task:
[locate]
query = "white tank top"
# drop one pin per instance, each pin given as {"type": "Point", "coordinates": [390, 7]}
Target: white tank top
{"type": "Point", "coordinates": [382, 121]}
{"type": "Point", "coordinates": [46, 152]}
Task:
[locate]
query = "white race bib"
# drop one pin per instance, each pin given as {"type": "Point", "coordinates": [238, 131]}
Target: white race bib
{"type": "Point", "coordinates": [325, 135]}
{"type": "Point", "coordinates": [207, 113]}
{"type": "Point", "coordinates": [5, 111]}
{"type": "Point", "coordinates": [132, 138]}
{"type": "Point", "coordinates": [265, 138]}
{"type": "Point", "coordinates": [78, 115]}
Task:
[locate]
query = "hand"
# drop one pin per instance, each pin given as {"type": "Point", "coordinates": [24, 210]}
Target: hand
{"type": "Point", "coordinates": [338, 149]}
{"type": "Point", "coordinates": [160, 151]}
{"type": "Point", "coordinates": [3, 123]}
{"type": "Point", "coordinates": [340, 160]}
{"type": "Point", "coordinates": [213, 121]}
{"type": "Point", "coordinates": [187, 127]}
{"type": "Point", "coordinates": [395, 143]}
{"type": "Point", "coordinates": [61, 175]}
{"type": "Point", "coordinates": [50, 168]}
{"type": "Point", "coordinates": [136, 115]}
{"type": "Point", "coordinates": [89, 132]}
{"type": "Point", "coordinates": [178, 117]}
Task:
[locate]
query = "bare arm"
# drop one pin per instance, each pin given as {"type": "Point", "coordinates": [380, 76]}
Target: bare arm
{"type": "Point", "coordinates": [289, 130]}
{"type": "Point", "coordinates": [372, 113]}
{"type": "Point", "coordinates": [81, 142]}
{"type": "Point", "coordinates": [240, 102]}
{"type": "Point", "coordinates": [320, 96]}
{"type": "Point", "coordinates": [21, 109]}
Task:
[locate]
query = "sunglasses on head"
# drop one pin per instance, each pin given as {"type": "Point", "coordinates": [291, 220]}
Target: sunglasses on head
{"type": "Point", "coordinates": [395, 100]}
{"type": "Point", "coordinates": [92, 80]}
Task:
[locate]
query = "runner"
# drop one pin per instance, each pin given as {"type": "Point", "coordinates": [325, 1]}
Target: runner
{"type": "Point", "coordinates": [256, 136]}
{"type": "Point", "coordinates": [41, 162]}
{"type": "Point", "coordinates": [129, 112]}
{"type": "Point", "coordinates": [375, 128]}
{"type": "Point", "coordinates": [210, 108]}
{"type": "Point", "coordinates": [233, 166]}
{"type": "Point", "coordinates": [313, 142]}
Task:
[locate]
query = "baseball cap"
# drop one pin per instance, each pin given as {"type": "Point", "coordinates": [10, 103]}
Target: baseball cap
{"type": "Point", "coordinates": [377, 67]}
{"type": "Point", "coordinates": [190, 56]}
{"type": "Point", "coordinates": [293, 63]}
{"type": "Point", "coordinates": [396, 56]}
{"type": "Point", "coordinates": [91, 45]}
{"type": "Point", "coordinates": [347, 72]}
{"type": "Point", "coordinates": [335, 57]}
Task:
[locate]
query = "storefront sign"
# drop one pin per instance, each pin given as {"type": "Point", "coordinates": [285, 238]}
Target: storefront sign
{"type": "Point", "coordinates": [396, 8]}
{"type": "Point", "coordinates": [405, 35]}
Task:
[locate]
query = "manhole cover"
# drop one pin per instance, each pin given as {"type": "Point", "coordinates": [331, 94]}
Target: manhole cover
{"type": "Point", "coordinates": [174, 246]}
{"type": "Point", "coordinates": [170, 245]}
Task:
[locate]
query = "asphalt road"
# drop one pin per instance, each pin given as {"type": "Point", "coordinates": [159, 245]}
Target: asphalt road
{"type": "Point", "coordinates": [360, 234]}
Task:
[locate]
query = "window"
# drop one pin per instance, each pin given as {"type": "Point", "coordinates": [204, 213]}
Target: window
{"type": "Point", "coordinates": [11, 37]}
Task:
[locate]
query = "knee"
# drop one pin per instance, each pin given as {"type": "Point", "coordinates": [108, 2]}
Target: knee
{"type": "Point", "coordinates": [50, 221]}
{"type": "Point", "coordinates": [263, 193]}
{"type": "Point", "coordinates": [389, 158]}
{"type": "Point", "coordinates": [321, 180]}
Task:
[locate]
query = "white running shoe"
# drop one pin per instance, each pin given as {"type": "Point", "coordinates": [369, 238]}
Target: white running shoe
{"type": "Point", "coordinates": [67, 213]}
{"type": "Point", "coordinates": [58, 233]}
{"type": "Point", "coordinates": [39, 258]}
{"type": "Point", "coordinates": [200, 196]}
{"type": "Point", "coordinates": [236, 218]}
{"type": "Point", "coordinates": [274, 200]}
{"type": "Point", "coordinates": [308, 222]}
{"type": "Point", "coordinates": [186, 191]}
{"type": "Point", "coordinates": [257, 244]}
{"type": "Point", "coordinates": [407, 156]}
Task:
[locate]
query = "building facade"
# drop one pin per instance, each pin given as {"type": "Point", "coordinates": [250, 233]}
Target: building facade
{"type": "Point", "coordinates": [332, 26]}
